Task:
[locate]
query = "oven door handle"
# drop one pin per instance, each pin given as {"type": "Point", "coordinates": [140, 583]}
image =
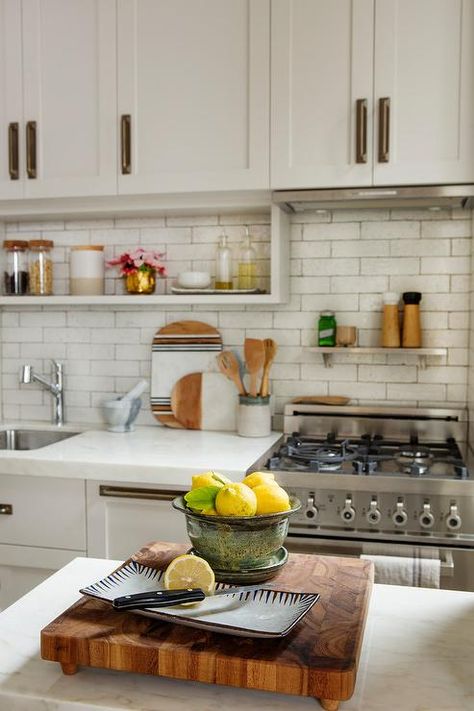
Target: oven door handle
{"type": "Point", "coordinates": [447, 564]}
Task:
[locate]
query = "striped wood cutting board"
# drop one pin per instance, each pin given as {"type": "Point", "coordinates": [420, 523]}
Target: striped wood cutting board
{"type": "Point", "coordinates": [180, 348]}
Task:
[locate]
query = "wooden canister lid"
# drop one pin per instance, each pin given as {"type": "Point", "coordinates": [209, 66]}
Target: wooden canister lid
{"type": "Point", "coordinates": [89, 247]}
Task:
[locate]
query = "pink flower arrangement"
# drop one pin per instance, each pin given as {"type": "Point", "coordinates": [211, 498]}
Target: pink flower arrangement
{"type": "Point", "coordinates": [138, 260]}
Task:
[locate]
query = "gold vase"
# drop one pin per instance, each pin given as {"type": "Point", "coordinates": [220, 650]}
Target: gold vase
{"type": "Point", "coordinates": [141, 282]}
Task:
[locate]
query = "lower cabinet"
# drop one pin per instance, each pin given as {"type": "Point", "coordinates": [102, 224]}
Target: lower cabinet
{"type": "Point", "coordinates": [121, 518]}
{"type": "Point", "coordinates": [42, 527]}
{"type": "Point", "coordinates": [22, 568]}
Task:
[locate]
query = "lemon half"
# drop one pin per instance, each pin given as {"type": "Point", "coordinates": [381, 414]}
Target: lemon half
{"type": "Point", "coordinates": [189, 571]}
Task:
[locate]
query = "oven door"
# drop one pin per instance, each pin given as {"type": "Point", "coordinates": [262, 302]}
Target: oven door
{"type": "Point", "coordinates": [457, 564]}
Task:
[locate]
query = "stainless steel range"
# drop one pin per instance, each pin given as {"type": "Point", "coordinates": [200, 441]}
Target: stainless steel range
{"type": "Point", "coordinates": [385, 476]}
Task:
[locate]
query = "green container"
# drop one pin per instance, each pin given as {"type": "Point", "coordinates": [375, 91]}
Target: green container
{"type": "Point", "coordinates": [327, 329]}
{"type": "Point", "coordinates": [237, 543]}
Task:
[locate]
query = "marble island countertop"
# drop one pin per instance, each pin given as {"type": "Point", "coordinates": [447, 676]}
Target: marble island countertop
{"type": "Point", "coordinates": [158, 455]}
{"type": "Point", "coordinates": [417, 655]}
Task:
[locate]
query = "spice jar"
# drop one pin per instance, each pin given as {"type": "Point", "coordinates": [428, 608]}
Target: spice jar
{"type": "Point", "coordinates": [41, 267]}
{"type": "Point", "coordinates": [327, 329]}
{"type": "Point", "coordinates": [86, 270]}
{"type": "Point", "coordinates": [390, 320]}
{"type": "Point", "coordinates": [16, 267]}
{"type": "Point", "coordinates": [411, 337]}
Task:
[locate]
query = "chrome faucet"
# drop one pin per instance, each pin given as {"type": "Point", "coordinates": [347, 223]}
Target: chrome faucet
{"type": "Point", "coordinates": [55, 387]}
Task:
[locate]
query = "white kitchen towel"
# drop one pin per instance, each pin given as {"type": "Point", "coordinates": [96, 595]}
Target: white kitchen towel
{"type": "Point", "coordinates": [401, 570]}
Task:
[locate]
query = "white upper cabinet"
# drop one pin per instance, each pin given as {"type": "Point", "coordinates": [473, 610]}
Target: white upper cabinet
{"type": "Point", "coordinates": [416, 123]}
{"type": "Point", "coordinates": [424, 67]}
{"type": "Point", "coordinates": [321, 68]}
{"type": "Point", "coordinates": [193, 95]}
{"type": "Point", "coordinates": [69, 87]}
{"type": "Point", "coordinates": [11, 101]}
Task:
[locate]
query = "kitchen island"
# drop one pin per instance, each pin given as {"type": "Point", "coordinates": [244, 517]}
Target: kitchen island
{"type": "Point", "coordinates": [417, 655]}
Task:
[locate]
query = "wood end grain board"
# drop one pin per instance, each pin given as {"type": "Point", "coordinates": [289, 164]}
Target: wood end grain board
{"type": "Point", "coordinates": [318, 658]}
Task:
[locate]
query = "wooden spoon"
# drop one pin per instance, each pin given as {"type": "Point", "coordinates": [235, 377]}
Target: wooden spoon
{"type": "Point", "coordinates": [254, 352]}
{"type": "Point", "coordinates": [229, 365]}
{"type": "Point", "coordinates": [270, 352]}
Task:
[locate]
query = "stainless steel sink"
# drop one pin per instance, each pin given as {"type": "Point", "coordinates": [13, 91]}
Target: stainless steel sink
{"type": "Point", "coordinates": [31, 439]}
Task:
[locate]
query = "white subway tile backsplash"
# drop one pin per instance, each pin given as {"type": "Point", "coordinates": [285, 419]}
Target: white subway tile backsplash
{"type": "Point", "coordinates": [446, 228]}
{"type": "Point", "coordinates": [390, 230]}
{"type": "Point", "coordinates": [342, 260]}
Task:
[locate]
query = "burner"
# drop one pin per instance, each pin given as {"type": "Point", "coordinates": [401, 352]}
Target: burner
{"type": "Point", "coordinates": [414, 459]}
{"type": "Point", "coordinates": [365, 465]}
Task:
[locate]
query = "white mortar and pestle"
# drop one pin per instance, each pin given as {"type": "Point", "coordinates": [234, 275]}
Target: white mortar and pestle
{"type": "Point", "coordinates": [120, 413]}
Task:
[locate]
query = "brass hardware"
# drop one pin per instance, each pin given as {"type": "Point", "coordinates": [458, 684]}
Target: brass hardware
{"type": "Point", "coordinates": [126, 143]}
{"type": "Point", "coordinates": [384, 130]}
{"type": "Point", "coordinates": [13, 156]}
{"type": "Point", "coordinates": [361, 131]}
{"type": "Point", "coordinates": [128, 492]}
{"type": "Point", "coordinates": [6, 509]}
{"type": "Point", "coordinates": [31, 149]}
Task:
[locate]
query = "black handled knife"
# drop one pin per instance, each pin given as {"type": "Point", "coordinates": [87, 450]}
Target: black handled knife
{"type": "Point", "coordinates": [167, 598]}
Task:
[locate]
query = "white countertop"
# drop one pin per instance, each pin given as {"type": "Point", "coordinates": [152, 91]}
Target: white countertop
{"type": "Point", "coordinates": [149, 454]}
{"type": "Point", "coordinates": [417, 655]}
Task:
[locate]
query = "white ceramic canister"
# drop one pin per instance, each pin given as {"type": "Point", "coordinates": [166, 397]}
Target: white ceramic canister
{"type": "Point", "coordinates": [87, 270]}
{"type": "Point", "coordinates": [254, 417]}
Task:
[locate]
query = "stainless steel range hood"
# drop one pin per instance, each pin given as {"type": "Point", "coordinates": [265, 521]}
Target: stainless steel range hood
{"type": "Point", "coordinates": [427, 196]}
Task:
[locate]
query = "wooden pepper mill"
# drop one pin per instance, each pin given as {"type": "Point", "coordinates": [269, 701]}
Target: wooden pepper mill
{"type": "Point", "coordinates": [390, 320]}
{"type": "Point", "coordinates": [411, 337]}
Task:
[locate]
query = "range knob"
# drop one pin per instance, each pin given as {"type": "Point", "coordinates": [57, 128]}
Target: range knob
{"type": "Point", "coordinates": [311, 511]}
{"type": "Point", "coordinates": [400, 516]}
{"type": "Point", "coordinates": [348, 512]}
{"type": "Point", "coordinates": [426, 518]}
{"type": "Point", "coordinates": [373, 514]}
{"type": "Point", "coordinates": [453, 519]}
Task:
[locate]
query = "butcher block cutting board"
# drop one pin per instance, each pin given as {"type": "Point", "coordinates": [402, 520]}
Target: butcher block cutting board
{"type": "Point", "coordinates": [318, 658]}
{"type": "Point", "coordinates": [205, 401]}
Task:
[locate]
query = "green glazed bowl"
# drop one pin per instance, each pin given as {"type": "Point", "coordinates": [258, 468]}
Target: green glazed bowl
{"type": "Point", "coordinates": [237, 543]}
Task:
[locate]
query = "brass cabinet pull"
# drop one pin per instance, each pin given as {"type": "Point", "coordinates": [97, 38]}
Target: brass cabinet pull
{"type": "Point", "coordinates": [361, 131]}
{"type": "Point", "coordinates": [129, 492]}
{"type": "Point", "coordinates": [31, 149]}
{"type": "Point", "coordinates": [384, 130]}
{"type": "Point", "coordinates": [126, 143]}
{"type": "Point", "coordinates": [13, 155]}
{"type": "Point", "coordinates": [6, 509]}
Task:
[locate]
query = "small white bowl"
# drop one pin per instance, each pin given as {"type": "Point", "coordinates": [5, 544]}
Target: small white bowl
{"type": "Point", "coordinates": [194, 280]}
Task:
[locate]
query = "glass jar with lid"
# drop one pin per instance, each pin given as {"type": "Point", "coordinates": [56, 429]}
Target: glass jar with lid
{"type": "Point", "coordinates": [40, 267]}
{"type": "Point", "coordinates": [15, 274]}
{"type": "Point", "coordinates": [327, 329]}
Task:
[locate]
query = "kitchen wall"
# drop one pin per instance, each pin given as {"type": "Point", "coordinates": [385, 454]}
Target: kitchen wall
{"type": "Point", "coordinates": [342, 260]}
{"type": "Point", "coordinates": [470, 390]}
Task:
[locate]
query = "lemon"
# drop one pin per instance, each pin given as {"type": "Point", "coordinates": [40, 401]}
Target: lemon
{"type": "Point", "coordinates": [271, 498]}
{"type": "Point", "coordinates": [236, 500]}
{"type": "Point", "coordinates": [256, 478]}
{"type": "Point", "coordinates": [209, 479]}
{"type": "Point", "coordinates": [189, 571]}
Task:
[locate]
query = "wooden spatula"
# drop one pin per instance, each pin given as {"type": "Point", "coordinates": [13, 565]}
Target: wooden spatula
{"type": "Point", "coordinates": [270, 352]}
{"type": "Point", "coordinates": [230, 367]}
{"type": "Point", "coordinates": [254, 352]}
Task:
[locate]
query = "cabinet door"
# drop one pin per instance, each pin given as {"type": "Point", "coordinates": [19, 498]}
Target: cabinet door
{"type": "Point", "coordinates": [69, 61]}
{"type": "Point", "coordinates": [22, 568]}
{"type": "Point", "coordinates": [193, 83]}
{"type": "Point", "coordinates": [322, 64]}
{"type": "Point", "coordinates": [424, 66]}
{"type": "Point", "coordinates": [121, 518]}
{"type": "Point", "coordinates": [11, 101]}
